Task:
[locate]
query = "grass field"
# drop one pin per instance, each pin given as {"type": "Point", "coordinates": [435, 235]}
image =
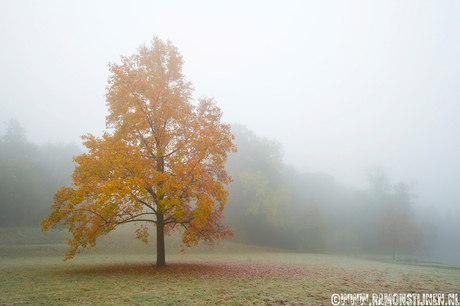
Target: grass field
{"type": "Point", "coordinates": [121, 271]}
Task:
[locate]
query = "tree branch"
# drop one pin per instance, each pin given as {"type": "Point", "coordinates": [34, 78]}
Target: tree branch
{"type": "Point", "coordinates": [145, 143]}
{"type": "Point", "coordinates": [84, 209]}
{"type": "Point", "coordinates": [143, 202]}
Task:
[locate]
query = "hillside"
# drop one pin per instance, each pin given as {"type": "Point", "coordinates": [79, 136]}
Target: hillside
{"type": "Point", "coordinates": [32, 242]}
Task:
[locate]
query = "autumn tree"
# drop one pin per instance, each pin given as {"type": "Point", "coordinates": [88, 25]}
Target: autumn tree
{"type": "Point", "coordinates": [397, 231]}
{"type": "Point", "coordinates": [162, 160]}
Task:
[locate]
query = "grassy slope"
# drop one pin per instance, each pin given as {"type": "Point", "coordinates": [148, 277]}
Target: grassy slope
{"type": "Point", "coordinates": [32, 243]}
{"type": "Point", "coordinates": [119, 271]}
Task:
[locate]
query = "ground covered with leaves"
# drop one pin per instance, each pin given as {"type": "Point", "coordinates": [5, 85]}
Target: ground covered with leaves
{"type": "Point", "coordinates": [238, 279]}
{"type": "Point", "coordinates": [121, 271]}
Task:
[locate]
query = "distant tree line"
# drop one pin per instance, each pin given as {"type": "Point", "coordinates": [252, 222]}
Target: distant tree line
{"type": "Point", "coordinates": [30, 174]}
{"type": "Point", "coordinates": [270, 203]}
{"type": "Point", "coordinates": [273, 204]}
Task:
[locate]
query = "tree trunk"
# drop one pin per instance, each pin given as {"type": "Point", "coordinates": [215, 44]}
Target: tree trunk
{"type": "Point", "coordinates": [161, 257]}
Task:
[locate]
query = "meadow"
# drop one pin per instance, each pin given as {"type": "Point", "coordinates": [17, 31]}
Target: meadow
{"type": "Point", "coordinates": [120, 271]}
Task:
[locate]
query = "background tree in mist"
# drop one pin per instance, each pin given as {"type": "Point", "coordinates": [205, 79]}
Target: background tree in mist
{"type": "Point", "coordinates": [162, 163]}
{"type": "Point", "coordinates": [30, 175]}
{"type": "Point", "coordinates": [430, 237]}
{"type": "Point", "coordinates": [258, 196]}
{"type": "Point", "coordinates": [379, 182]}
{"type": "Point", "coordinates": [309, 228]}
{"type": "Point", "coordinates": [397, 231]}
{"type": "Point", "coordinates": [386, 193]}
{"type": "Point", "coordinates": [14, 143]}
{"type": "Point", "coordinates": [267, 206]}
{"type": "Point", "coordinates": [23, 196]}
{"type": "Point", "coordinates": [55, 165]}
{"type": "Point", "coordinates": [264, 201]}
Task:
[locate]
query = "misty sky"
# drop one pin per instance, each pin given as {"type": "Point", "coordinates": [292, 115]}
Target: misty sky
{"type": "Point", "coordinates": [341, 84]}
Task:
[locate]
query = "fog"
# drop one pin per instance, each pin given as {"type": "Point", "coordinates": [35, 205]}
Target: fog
{"type": "Point", "coordinates": [342, 85]}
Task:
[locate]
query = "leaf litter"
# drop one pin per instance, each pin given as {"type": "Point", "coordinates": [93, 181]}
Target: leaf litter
{"type": "Point", "coordinates": [209, 282]}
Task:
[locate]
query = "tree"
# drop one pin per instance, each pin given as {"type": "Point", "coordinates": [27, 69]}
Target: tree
{"type": "Point", "coordinates": [397, 231]}
{"type": "Point", "coordinates": [23, 199]}
{"type": "Point", "coordinates": [22, 193]}
{"type": "Point", "coordinates": [310, 228]}
{"type": "Point", "coordinates": [385, 193]}
{"type": "Point", "coordinates": [403, 196]}
{"type": "Point", "coordinates": [14, 144]}
{"type": "Point", "coordinates": [54, 164]}
{"type": "Point", "coordinates": [266, 201]}
{"type": "Point", "coordinates": [430, 237]}
{"type": "Point", "coordinates": [162, 161]}
{"type": "Point", "coordinates": [259, 213]}
{"type": "Point", "coordinates": [379, 182]}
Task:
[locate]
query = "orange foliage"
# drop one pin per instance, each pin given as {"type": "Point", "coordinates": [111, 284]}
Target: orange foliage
{"type": "Point", "coordinates": [397, 231]}
{"type": "Point", "coordinates": [162, 161]}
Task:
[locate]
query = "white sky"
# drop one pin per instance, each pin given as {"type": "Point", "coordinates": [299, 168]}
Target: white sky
{"type": "Point", "coordinates": [341, 84]}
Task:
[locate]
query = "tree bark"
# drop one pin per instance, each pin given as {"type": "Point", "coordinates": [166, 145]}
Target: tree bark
{"type": "Point", "coordinates": [161, 257]}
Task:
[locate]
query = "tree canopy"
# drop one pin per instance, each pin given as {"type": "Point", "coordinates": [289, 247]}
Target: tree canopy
{"type": "Point", "coordinates": [161, 160]}
{"type": "Point", "coordinates": [397, 231]}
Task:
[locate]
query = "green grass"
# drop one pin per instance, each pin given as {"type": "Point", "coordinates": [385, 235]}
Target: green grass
{"type": "Point", "coordinates": [232, 274]}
